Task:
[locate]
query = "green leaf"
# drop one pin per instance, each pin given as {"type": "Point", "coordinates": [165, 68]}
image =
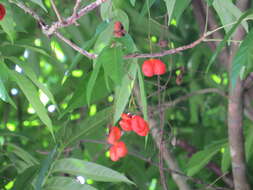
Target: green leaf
{"type": "Point", "coordinates": [79, 98]}
{"type": "Point", "coordinates": [106, 10]}
{"type": "Point", "coordinates": [228, 13]}
{"type": "Point", "coordinates": [40, 3]}
{"type": "Point", "coordinates": [104, 38]}
{"type": "Point", "coordinates": [201, 158]}
{"type": "Point", "coordinates": [3, 93]}
{"type": "Point", "coordinates": [88, 170]}
{"type": "Point", "coordinates": [179, 8]}
{"type": "Point", "coordinates": [226, 159]}
{"type": "Point", "coordinates": [144, 106]}
{"type": "Point", "coordinates": [31, 94]}
{"type": "Point", "coordinates": [121, 16]}
{"type": "Point", "coordinates": [249, 143]}
{"type": "Point", "coordinates": [44, 169]}
{"type": "Point", "coordinates": [123, 92]}
{"type": "Point", "coordinates": [132, 2]}
{"type": "Point", "coordinates": [243, 58]}
{"type": "Point", "coordinates": [23, 154]}
{"type": "Point", "coordinates": [170, 4]}
{"type": "Point", "coordinates": [226, 38]}
{"type": "Point", "coordinates": [128, 44]}
{"type": "Point", "coordinates": [24, 180]}
{"type": "Point", "coordinates": [8, 24]}
{"type": "Point", "coordinates": [93, 78]}
{"type": "Point", "coordinates": [32, 76]}
{"type": "Point", "coordinates": [112, 61]}
{"type": "Point", "coordinates": [65, 183]}
{"type": "Point", "coordinates": [88, 124]}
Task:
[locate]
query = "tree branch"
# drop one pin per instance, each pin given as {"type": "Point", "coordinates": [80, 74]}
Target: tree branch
{"type": "Point", "coordinates": [235, 119]}
{"type": "Point", "coordinates": [173, 103]}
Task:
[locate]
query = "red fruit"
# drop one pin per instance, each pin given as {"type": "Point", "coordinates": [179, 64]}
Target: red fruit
{"type": "Point", "coordinates": [158, 66]}
{"type": "Point", "coordinates": [2, 11]}
{"type": "Point", "coordinates": [121, 149]}
{"type": "Point", "coordinates": [113, 153]}
{"type": "Point", "coordinates": [139, 125]}
{"type": "Point", "coordinates": [125, 125]}
{"type": "Point", "coordinates": [147, 68]}
{"type": "Point", "coordinates": [125, 116]}
{"type": "Point", "coordinates": [118, 26]}
{"type": "Point", "coordinates": [117, 151]}
{"type": "Point", "coordinates": [114, 135]}
{"type": "Point", "coordinates": [118, 29]}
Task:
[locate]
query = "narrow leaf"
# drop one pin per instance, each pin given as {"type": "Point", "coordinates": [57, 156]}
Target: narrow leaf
{"type": "Point", "coordinates": [123, 91]}
{"type": "Point", "coordinates": [88, 170]}
{"type": "Point", "coordinates": [226, 159]}
{"type": "Point", "coordinates": [112, 60]}
{"type": "Point", "coordinates": [226, 38]}
{"type": "Point", "coordinates": [65, 183]}
{"type": "Point", "coordinates": [170, 4]}
{"type": "Point", "coordinates": [32, 95]}
{"type": "Point", "coordinates": [44, 169]}
{"type": "Point", "coordinates": [40, 3]}
{"type": "Point", "coordinates": [201, 158]}
{"type": "Point", "coordinates": [143, 95]}
{"type": "Point", "coordinates": [243, 58]}
{"type": "Point", "coordinates": [32, 76]}
{"type": "Point", "coordinates": [93, 79]}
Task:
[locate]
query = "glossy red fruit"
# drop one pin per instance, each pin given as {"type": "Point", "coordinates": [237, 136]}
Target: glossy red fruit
{"type": "Point", "coordinates": [139, 125]}
{"type": "Point", "coordinates": [126, 116]}
{"type": "Point", "coordinates": [147, 68]}
{"type": "Point", "coordinates": [159, 67]}
{"type": "Point", "coordinates": [2, 11]}
{"type": "Point", "coordinates": [113, 153]}
{"type": "Point", "coordinates": [118, 30]}
{"type": "Point", "coordinates": [121, 149]}
{"type": "Point", "coordinates": [118, 150]}
{"type": "Point", "coordinates": [125, 125]}
{"type": "Point", "coordinates": [114, 135]}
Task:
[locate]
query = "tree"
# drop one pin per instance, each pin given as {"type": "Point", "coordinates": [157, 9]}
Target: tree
{"type": "Point", "coordinates": [70, 71]}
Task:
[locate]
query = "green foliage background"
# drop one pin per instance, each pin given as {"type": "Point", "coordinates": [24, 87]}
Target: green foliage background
{"type": "Point", "coordinates": [38, 147]}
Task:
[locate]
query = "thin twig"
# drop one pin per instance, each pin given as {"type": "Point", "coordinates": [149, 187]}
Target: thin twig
{"type": "Point", "coordinates": [166, 52]}
{"type": "Point", "coordinates": [72, 19]}
{"type": "Point", "coordinates": [75, 47]}
{"type": "Point", "coordinates": [56, 11]}
{"type": "Point", "coordinates": [76, 7]}
{"type": "Point", "coordinates": [173, 103]}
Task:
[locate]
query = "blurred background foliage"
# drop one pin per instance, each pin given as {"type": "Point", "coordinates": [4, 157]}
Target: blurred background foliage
{"type": "Point", "coordinates": [43, 86]}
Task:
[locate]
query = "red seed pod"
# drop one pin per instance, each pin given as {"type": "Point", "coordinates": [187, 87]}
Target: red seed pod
{"type": "Point", "coordinates": [147, 68]}
{"type": "Point", "coordinates": [125, 125]}
{"type": "Point", "coordinates": [139, 125]}
{"type": "Point", "coordinates": [159, 67]}
{"type": "Point", "coordinates": [118, 150]}
{"type": "Point", "coordinates": [2, 11]}
{"type": "Point", "coordinates": [118, 29]}
{"type": "Point", "coordinates": [114, 135]}
{"type": "Point", "coordinates": [126, 116]}
{"type": "Point", "coordinates": [121, 149]}
{"type": "Point", "coordinates": [113, 153]}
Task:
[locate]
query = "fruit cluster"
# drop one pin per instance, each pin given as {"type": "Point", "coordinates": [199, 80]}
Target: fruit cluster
{"type": "Point", "coordinates": [153, 67]}
{"type": "Point", "coordinates": [128, 123]}
{"type": "Point", "coordinates": [2, 11]}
